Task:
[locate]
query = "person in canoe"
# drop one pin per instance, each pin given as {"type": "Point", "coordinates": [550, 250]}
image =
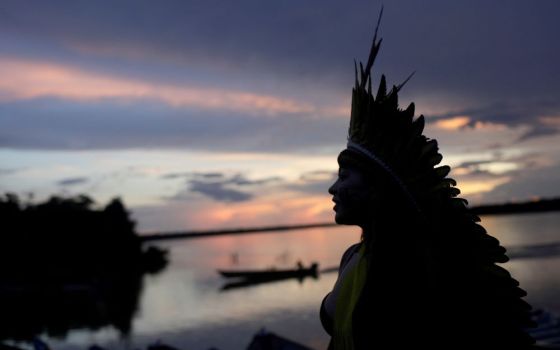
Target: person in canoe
{"type": "Point", "coordinates": [425, 273]}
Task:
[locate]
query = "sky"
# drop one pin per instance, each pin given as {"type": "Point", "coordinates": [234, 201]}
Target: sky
{"type": "Point", "coordinates": [220, 114]}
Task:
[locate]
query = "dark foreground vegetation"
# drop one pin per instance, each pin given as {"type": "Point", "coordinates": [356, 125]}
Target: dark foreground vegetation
{"type": "Point", "coordinates": [67, 265]}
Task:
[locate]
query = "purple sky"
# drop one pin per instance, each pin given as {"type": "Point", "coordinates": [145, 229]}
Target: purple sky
{"type": "Point", "coordinates": [206, 114]}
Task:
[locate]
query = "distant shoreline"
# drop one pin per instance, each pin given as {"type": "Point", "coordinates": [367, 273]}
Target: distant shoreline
{"type": "Point", "coordinates": [235, 231]}
{"type": "Point", "coordinates": [517, 208]}
{"type": "Point", "coordinates": [542, 205]}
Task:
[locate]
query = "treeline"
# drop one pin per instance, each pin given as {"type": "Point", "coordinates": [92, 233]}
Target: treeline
{"type": "Point", "coordinates": [67, 238]}
{"type": "Point", "coordinates": [516, 208]}
{"type": "Point", "coordinates": [65, 264]}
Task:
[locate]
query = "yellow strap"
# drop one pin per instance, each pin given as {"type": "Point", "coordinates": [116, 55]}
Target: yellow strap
{"type": "Point", "coordinates": [346, 301]}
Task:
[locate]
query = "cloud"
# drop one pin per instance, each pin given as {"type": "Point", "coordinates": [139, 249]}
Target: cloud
{"type": "Point", "coordinates": [500, 164]}
{"type": "Point", "coordinates": [452, 123]}
{"type": "Point", "coordinates": [218, 191]}
{"type": "Point", "coordinates": [475, 179]}
{"type": "Point", "coordinates": [553, 120]}
{"type": "Point", "coordinates": [238, 187]}
{"type": "Point", "coordinates": [207, 214]}
{"type": "Point", "coordinates": [504, 177]}
{"type": "Point", "coordinates": [241, 180]}
{"type": "Point", "coordinates": [485, 168]}
{"type": "Point", "coordinates": [72, 181]}
{"type": "Point", "coordinates": [291, 41]}
{"type": "Point", "coordinates": [318, 175]}
{"type": "Point", "coordinates": [474, 173]}
{"type": "Point", "coordinates": [255, 31]}
{"type": "Point", "coordinates": [38, 79]}
{"type": "Point", "coordinates": [535, 115]}
{"type": "Point", "coordinates": [49, 123]}
{"type": "Point", "coordinates": [290, 207]}
{"type": "Point", "coordinates": [529, 183]}
{"type": "Point", "coordinates": [238, 179]}
{"type": "Point", "coordinates": [8, 171]}
{"type": "Point", "coordinates": [224, 62]}
{"type": "Point", "coordinates": [219, 186]}
{"type": "Point", "coordinates": [206, 202]}
{"type": "Point", "coordinates": [539, 131]}
{"type": "Point", "coordinates": [314, 182]}
{"type": "Point", "coordinates": [192, 174]}
{"type": "Point", "coordinates": [474, 163]}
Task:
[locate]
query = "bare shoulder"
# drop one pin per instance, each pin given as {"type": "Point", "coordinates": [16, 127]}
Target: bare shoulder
{"type": "Point", "coordinates": [348, 254]}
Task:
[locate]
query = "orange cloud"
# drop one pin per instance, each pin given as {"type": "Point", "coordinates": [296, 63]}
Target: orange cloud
{"type": "Point", "coordinates": [460, 171]}
{"type": "Point", "coordinates": [476, 186]}
{"type": "Point", "coordinates": [489, 126]}
{"type": "Point", "coordinates": [550, 120]}
{"type": "Point", "coordinates": [499, 167]}
{"type": "Point", "coordinates": [454, 123]}
{"type": "Point", "coordinates": [31, 79]}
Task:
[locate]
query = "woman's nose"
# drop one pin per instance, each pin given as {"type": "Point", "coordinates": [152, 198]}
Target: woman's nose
{"type": "Point", "coordinates": [332, 189]}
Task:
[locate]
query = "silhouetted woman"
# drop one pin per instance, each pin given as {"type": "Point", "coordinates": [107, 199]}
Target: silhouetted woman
{"type": "Point", "coordinates": [424, 273]}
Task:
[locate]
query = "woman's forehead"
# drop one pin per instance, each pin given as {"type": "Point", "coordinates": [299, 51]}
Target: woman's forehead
{"type": "Point", "coordinates": [352, 169]}
{"type": "Point", "coordinates": [350, 163]}
{"type": "Point", "coordinates": [349, 167]}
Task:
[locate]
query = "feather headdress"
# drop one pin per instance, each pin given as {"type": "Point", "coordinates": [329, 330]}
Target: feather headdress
{"type": "Point", "coordinates": [392, 138]}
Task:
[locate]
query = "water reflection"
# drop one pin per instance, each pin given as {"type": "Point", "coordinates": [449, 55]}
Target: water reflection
{"type": "Point", "coordinates": [244, 283]}
{"type": "Point", "coordinates": [249, 278]}
{"type": "Point", "coordinates": [535, 251]}
{"type": "Point", "coordinates": [184, 307]}
{"type": "Point", "coordinates": [30, 310]}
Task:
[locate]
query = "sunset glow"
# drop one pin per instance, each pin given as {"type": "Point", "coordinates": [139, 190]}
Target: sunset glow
{"type": "Point", "coordinates": [28, 80]}
{"type": "Point", "coordinates": [478, 187]}
{"type": "Point", "coordinates": [204, 118]}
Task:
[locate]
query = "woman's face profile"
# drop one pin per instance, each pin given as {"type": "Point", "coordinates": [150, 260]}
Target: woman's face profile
{"type": "Point", "coordinates": [351, 194]}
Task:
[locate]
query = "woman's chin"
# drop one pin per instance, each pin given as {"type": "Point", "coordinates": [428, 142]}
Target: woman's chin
{"type": "Point", "coordinates": [342, 220]}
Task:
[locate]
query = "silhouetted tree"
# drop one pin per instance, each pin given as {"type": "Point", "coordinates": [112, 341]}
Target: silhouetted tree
{"type": "Point", "coordinates": [65, 264]}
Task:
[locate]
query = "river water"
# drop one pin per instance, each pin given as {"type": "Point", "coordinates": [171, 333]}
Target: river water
{"type": "Point", "coordinates": [185, 305]}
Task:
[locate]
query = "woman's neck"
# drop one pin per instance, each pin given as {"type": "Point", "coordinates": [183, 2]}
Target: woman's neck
{"type": "Point", "coordinates": [368, 233]}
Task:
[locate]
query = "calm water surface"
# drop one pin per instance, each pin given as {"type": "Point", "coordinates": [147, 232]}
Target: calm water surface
{"type": "Point", "coordinates": [184, 305]}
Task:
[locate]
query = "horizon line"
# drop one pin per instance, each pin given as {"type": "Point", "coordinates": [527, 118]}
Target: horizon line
{"type": "Point", "coordinates": [541, 205]}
